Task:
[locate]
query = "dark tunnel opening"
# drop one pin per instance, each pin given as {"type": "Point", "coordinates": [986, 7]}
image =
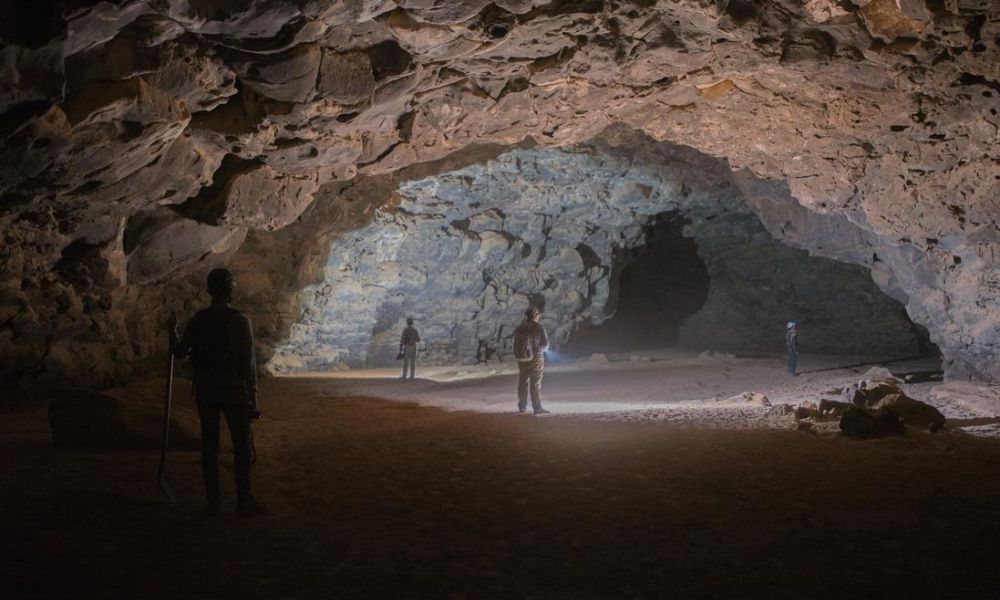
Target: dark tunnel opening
{"type": "Point", "coordinates": [664, 295]}
{"type": "Point", "coordinates": [655, 287]}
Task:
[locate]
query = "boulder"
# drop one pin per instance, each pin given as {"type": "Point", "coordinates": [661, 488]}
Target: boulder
{"type": "Point", "coordinates": [121, 419]}
{"type": "Point", "coordinates": [880, 374]}
{"type": "Point", "coordinates": [833, 408]}
{"type": "Point", "coordinates": [861, 424]}
{"type": "Point", "coordinates": [913, 412]}
{"type": "Point", "coordinates": [867, 393]}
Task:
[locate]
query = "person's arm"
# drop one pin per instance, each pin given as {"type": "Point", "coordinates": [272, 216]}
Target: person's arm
{"type": "Point", "coordinates": [543, 340]}
{"type": "Point", "coordinates": [416, 334]}
{"type": "Point", "coordinates": [182, 346]}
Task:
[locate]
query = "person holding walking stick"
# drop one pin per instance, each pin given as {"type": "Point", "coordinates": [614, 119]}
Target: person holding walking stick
{"type": "Point", "coordinates": [219, 340]}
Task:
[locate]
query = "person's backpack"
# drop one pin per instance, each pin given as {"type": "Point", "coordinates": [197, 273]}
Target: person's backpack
{"type": "Point", "coordinates": [214, 355]}
{"type": "Point", "coordinates": [522, 344]}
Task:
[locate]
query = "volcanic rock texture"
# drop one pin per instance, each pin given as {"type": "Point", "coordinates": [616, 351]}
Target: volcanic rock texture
{"type": "Point", "coordinates": [466, 252]}
{"type": "Point", "coordinates": [144, 141]}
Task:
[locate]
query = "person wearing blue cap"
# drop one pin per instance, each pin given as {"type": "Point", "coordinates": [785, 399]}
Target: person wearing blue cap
{"type": "Point", "coordinates": [792, 342]}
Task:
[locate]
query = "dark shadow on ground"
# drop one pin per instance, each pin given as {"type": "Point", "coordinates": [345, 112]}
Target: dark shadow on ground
{"type": "Point", "coordinates": [377, 499]}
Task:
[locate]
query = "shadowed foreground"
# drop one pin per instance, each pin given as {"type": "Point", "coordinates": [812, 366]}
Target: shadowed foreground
{"type": "Point", "coordinates": [375, 499]}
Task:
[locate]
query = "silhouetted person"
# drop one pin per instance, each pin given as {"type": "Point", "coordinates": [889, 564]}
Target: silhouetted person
{"type": "Point", "coordinates": [530, 344]}
{"type": "Point", "coordinates": [220, 342]}
{"type": "Point", "coordinates": [792, 342]}
{"type": "Point", "coordinates": [408, 348]}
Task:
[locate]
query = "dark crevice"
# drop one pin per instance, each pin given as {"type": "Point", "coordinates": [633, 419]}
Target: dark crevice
{"type": "Point", "coordinates": [19, 114]}
{"type": "Point", "coordinates": [388, 59]}
{"type": "Point", "coordinates": [967, 79]}
{"type": "Point", "coordinates": [31, 24]}
{"type": "Point", "coordinates": [209, 205]}
{"type": "Point", "coordinates": [654, 289]}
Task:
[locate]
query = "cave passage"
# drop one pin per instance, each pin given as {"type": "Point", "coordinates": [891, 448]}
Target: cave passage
{"type": "Point", "coordinates": [726, 286]}
{"type": "Point", "coordinates": [620, 254]}
{"type": "Point", "coordinates": [655, 287]}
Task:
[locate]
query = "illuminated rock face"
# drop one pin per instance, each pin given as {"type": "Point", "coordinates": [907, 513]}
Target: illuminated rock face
{"type": "Point", "coordinates": [877, 123]}
{"type": "Point", "coordinates": [466, 252]}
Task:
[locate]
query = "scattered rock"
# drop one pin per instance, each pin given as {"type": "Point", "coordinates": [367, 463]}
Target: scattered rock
{"type": "Point", "coordinates": [860, 424]}
{"type": "Point", "coordinates": [781, 410]}
{"type": "Point", "coordinates": [866, 394]}
{"type": "Point", "coordinates": [833, 408]}
{"type": "Point", "coordinates": [807, 411]}
{"type": "Point", "coordinates": [876, 374]}
{"type": "Point", "coordinates": [913, 412]}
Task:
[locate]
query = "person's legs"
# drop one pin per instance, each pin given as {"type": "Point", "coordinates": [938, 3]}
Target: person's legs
{"type": "Point", "coordinates": [537, 367]}
{"type": "Point", "coordinates": [793, 362]}
{"type": "Point", "coordinates": [523, 375]}
{"type": "Point", "coordinates": [238, 418]}
{"type": "Point", "coordinates": [208, 412]}
{"type": "Point", "coordinates": [409, 360]}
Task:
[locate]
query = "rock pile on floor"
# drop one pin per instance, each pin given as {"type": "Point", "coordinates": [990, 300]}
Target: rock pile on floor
{"type": "Point", "coordinates": [876, 407]}
{"type": "Point", "coordinates": [873, 407]}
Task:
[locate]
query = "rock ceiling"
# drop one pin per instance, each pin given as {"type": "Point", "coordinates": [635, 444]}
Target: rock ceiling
{"type": "Point", "coordinates": [140, 137]}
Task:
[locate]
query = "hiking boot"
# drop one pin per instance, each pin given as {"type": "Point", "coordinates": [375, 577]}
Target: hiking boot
{"type": "Point", "coordinates": [541, 411]}
{"type": "Point", "coordinates": [248, 507]}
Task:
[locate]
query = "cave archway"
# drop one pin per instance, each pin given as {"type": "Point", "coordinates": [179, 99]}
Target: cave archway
{"type": "Point", "coordinates": [625, 248]}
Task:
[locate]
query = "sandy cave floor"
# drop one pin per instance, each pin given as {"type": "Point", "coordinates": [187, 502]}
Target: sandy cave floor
{"type": "Point", "coordinates": [376, 498]}
{"type": "Point", "coordinates": [700, 390]}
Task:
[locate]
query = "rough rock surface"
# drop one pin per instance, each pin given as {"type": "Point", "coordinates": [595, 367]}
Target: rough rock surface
{"type": "Point", "coordinates": [466, 252]}
{"type": "Point", "coordinates": [867, 130]}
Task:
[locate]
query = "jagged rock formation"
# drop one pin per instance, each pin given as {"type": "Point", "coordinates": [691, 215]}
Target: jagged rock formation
{"type": "Point", "coordinates": [467, 251]}
{"type": "Point", "coordinates": [143, 140]}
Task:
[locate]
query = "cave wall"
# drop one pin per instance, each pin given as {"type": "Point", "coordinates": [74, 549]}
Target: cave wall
{"type": "Point", "coordinates": [879, 119]}
{"type": "Point", "coordinates": [759, 284]}
{"type": "Point", "coordinates": [465, 252]}
{"type": "Point", "coordinates": [655, 287]}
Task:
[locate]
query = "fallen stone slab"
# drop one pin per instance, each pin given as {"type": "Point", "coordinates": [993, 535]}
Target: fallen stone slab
{"type": "Point", "coordinates": [833, 408]}
{"type": "Point", "coordinates": [914, 412]}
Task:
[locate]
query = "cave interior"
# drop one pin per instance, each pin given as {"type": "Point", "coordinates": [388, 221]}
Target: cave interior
{"type": "Point", "coordinates": [669, 181]}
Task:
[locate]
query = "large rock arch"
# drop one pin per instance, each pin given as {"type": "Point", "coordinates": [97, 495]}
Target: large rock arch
{"type": "Point", "coordinates": [144, 141]}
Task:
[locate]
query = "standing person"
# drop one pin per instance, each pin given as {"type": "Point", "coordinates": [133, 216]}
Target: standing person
{"type": "Point", "coordinates": [792, 342]}
{"type": "Point", "coordinates": [530, 344]}
{"type": "Point", "coordinates": [408, 347]}
{"type": "Point", "coordinates": [220, 342]}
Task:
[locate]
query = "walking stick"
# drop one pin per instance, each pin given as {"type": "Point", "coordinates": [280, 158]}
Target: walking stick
{"type": "Point", "coordinates": [254, 416]}
{"type": "Point", "coordinates": [172, 326]}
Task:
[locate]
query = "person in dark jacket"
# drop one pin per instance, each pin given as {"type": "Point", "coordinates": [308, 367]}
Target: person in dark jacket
{"type": "Point", "coordinates": [219, 340]}
{"type": "Point", "coordinates": [792, 343]}
{"type": "Point", "coordinates": [530, 343]}
{"type": "Point", "coordinates": [408, 347]}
